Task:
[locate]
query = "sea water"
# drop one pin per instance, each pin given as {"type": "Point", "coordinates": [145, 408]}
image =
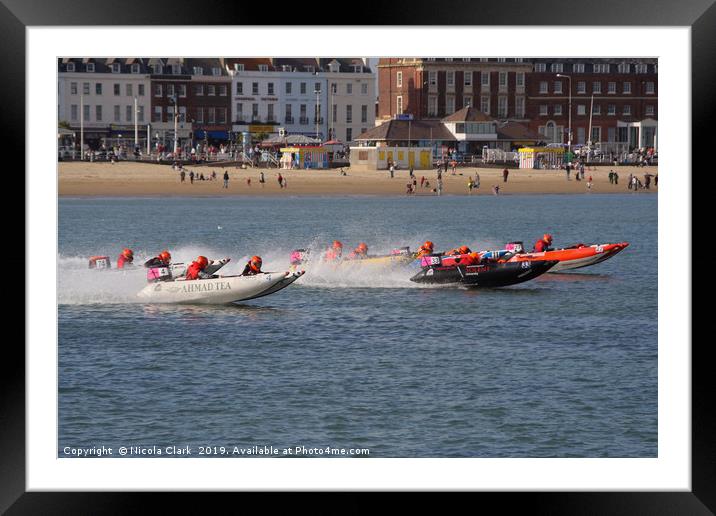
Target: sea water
{"type": "Point", "coordinates": [561, 366]}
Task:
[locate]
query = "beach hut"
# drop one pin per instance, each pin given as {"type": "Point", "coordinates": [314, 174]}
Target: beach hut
{"type": "Point", "coordinates": [308, 156]}
{"type": "Point", "coordinates": [541, 157]}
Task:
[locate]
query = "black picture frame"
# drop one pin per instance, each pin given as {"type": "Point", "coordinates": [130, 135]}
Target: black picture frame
{"type": "Point", "coordinates": [700, 15]}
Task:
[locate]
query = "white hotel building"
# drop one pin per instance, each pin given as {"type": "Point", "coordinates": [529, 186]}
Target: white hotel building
{"type": "Point", "coordinates": [102, 91]}
{"type": "Point", "coordinates": [316, 97]}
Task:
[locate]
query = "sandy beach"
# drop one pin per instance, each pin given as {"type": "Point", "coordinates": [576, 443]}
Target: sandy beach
{"type": "Point", "coordinates": [126, 179]}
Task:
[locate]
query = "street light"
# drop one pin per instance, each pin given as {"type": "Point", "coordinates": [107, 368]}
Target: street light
{"type": "Point", "coordinates": [569, 137]}
{"type": "Point", "coordinates": [318, 93]}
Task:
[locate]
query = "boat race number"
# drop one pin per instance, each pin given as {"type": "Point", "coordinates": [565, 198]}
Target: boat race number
{"type": "Point", "coordinates": [600, 249]}
{"type": "Point", "coordinates": [434, 260]}
{"type": "Point", "coordinates": [525, 265]}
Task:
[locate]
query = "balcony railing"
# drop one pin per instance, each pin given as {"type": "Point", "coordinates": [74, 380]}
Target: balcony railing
{"type": "Point", "coordinates": [289, 120]}
{"type": "Point", "coordinates": [303, 120]}
{"type": "Point", "coordinates": [318, 120]}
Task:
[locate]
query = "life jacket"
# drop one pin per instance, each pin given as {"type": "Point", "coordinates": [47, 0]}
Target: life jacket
{"type": "Point", "coordinates": [156, 262]}
{"type": "Point", "coordinates": [121, 260]}
{"type": "Point", "coordinates": [541, 246]}
{"type": "Point", "coordinates": [332, 255]}
{"type": "Point", "coordinates": [250, 270]}
{"type": "Point", "coordinates": [193, 270]}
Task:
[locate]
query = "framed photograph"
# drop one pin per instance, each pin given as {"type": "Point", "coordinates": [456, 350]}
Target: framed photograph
{"type": "Point", "coordinates": [301, 200]}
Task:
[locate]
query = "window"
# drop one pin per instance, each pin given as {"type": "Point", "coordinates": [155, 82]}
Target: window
{"type": "Point", "coordinates": [502, 107]}
{"type": "Point", "coordinates": [222, 90]}
{"type": "Point", "coordinates": [558, 86]}
{"type": "Point", "coordinates": [501, 59]}
{"type": "Point", "coordinates": [254, 111]}
{"type": "Point", "coordinates": [596, 87]}
{"type": "Point", "coordinates": [597, 110]}
{"type": "Point", "coordinates": [199, 90]}
{"type": "Point", "coordinates": [85, 88]}
{"type": "Point", "coordinates": [349, 111]}
{"type": "Point", "coordinates": [98, 88]}
{"type": "Point", "coordinates": [364, 114]}
{"type": "Point", "coordinates": [623, 67]}
{"type": "Point", "coordinates": [580, 134]}
{"type": "Point", "coordinates": [649, 88]}
{"type": "Point", "coordinates": [485, 104]}
{"type": "Point", "coordinates": [240, 111]}
{"type": "Point", "coordinates": [216, 71]}
{"type": "Point", "coordinates": [543, 87]}
{"type": "Point", "coordinates": [466, 59]}
{"type": "Point", "coordinates": [399, 104]}
{"type": "Point", "coordinates": [432, 106]}
{"type": "Point", "coordinates": [86, 112]}
{"type": "Point", "coordinates": [467, 78]}
{"type": "Point", "coordinates": [176, 69]}
{"type": "Point", "coordinates": [140, 90]}
{"type": "Point", "coordinates": [289, 86]}
{"type": "Point", "coordinates": [157, 90]}
{"type": "Point", "coordinates": [70, 67]}
{"type": "Point", "coordinates": [649, 110]}
{"type": "Point", "coordinates": [448, 59]}
{"type": "Point", "coordinates": [626, 110]}
{"type": "Point", "coordinates": [98, 113]}
{"type": "Point", "coordinates": [520, 79]}
{"type": "Point", "coordinates": [73, 88]}
{"type": "Point", "coordinates": [200, 115]}
{"type": "Point", "coordinates": [222, 115]}
{"type": "Point", "coordinates": [558, 109]}
{"type": "Point", "coordinates": [90, 67]}
{"type": "Point", "coordinates": [596, 134]}
{"type": "Point", "coordinates": [289, 115]}
{"type": "Point", "coordinates": [116, 114]}
{"type": "Point", "coordinates": [640, 68]}
{"type": "Point", "coordinates": [485, 80]}
{"type": "Point", "coordinates": [611, 134]}
{"type": "Point", "coordinates": [543, 110]}
{"type": "Point", "coordinates": [399, 78]}
{"type": "Point", "coordinates": [115, 68]}
{"type": "Point", "coordinates": [73, 112]}
{"type": "Point", "coordinates": [557, 67]}
{"type": "Point", "coordinates": [140, 113]}
{"type": "Point", "coordinates": [239, 88]}
{"type": "Point", "coordinates": [349, 134]}
{"type": "Point", "coordinates": [502, 80]}
{"type": "Point", "coordinates": [156, 116]}
{"type": "Point", "coordinates": [254, 88]}
{"type": "Point", "coordinates": [170, 90]}
{"type": "Point", "coordinates": [129, 114]}
{"type": "Point", "coordinates": [483, 59]}
{"type": "Point", "coordinates": [211, 115]}
{"type": "Point", "coordinates": [269, 113]}
{"type": "Point", "coordinates": [611, 87]}
{"type": "Point", "coordinates": [430, 59]}
{"type": "Point", "coordinates": [303, 88]}
{"type": "Point", "coordinates": [627, 88]}
{"type": "Point", "coordinates": [520, 107]}
{"type": "Point", "coordinates": [581, 109]}
{"type": "Point", "coordinates": [135, 68]}
{"type": "Point", "coordinates": [334, 113]}
{"type": "Point", "coordinates": [433, 80]}
{"type": "Point", "coordinates": [357, 68]}
{"type": "Point", "coordinates": [317, 87]}
{"type": "Point", "coordinates": [467, 101]}
{"type": "Point", "coordinates": [182, 90]}
{"type": "Point", "coordinates": [601, 68]}
{"type": "Point", "coordinates": [270, 88]}
{"type": "Point", "coordinates": [450, 79]}
{"type": "Point", "coordinates": [211, 90]}
{"type": "Point", "coordinates": [449, 104]}
{"type": "Point", "coordinates": [540, 67]}
{"type": "Point", "coordinates": [157, 69]}
{"type": "Point", "coordinates": [611, 109]}
{"type": "Point", "coordinates": [581, 87]}
{"type": "Point", "coordinates": [364, 88]}
{"type": "Point", "coordinates": [349, 89]}
{"type": "Point", "coordinates": [239, 67]}
{"type": "Point", "coordinates": [578, 68]}
{"type": "Point", "coordinates": [129, 90]}
{"type": "Point", "coordinates": [182, 113]}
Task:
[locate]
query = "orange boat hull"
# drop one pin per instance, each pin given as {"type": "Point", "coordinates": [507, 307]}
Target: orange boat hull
{"type": "Point", "coordinates": [574, 257]}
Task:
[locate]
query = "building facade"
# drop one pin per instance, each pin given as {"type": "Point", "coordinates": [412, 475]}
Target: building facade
{"type": "Point", "coordinates": [103, 91]}
{"type": "Point", "coordinates": [620, 94]}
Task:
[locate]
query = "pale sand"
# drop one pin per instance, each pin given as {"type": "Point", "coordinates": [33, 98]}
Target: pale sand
{"type": "Point", "coordinates": [132, 179]}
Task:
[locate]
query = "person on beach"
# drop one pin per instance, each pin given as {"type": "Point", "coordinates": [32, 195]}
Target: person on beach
{"type": "Point", "coordinates": [392, 170]}
{"type": "Point", "coordinates": [248, 181]}
{"type": "Point", "coordinates": [453, 166]}
{"type": "Point", "coordinates": [253, 266]}
{"type": "Point", "coordinates": [440, 186]}
{"type": "Point", "coordinates": [163, 259]}
{"type": "Point", "coordinates": [411, 172]}
{"type": "Point", "coordinates": [505, 173]}
{"type": "Point", "coordinates": [195, 271]}
{"type": "Point", "coordinates": [280, 180]}
{"type": "Point", "coordinates": [425, 249]}
{"type": "Point", "coordinates": [656, 180]}
{"type": "Point", "coordinates": [285, 182]}
{"type": "Point", "coordinates": [567, 167]}
{"type": "Point", "coordinates": [226, 179]}
{"type": "Point", "coordinates": [495, 189]}
{"type": "Point", "coordinates": [427, 184]}
{"type": "Point", "coordinates": [213, 175]}
{"type": "Point", "coordinates": [469, 186]}
{"type": "Point", "coordinates": [262, 178]}
{"type": "Point", "coordinates": [191, 177]}
{"type": "Point", "coordinates": [415, 184]}
{"type": "Point", "coordinates": [543, 244]}
{"type": "Point", "coordinates": [182, 176]}
{"type": "Point", "coordinates": [201, 177]}
{"type": "Point", "coordinates": [359, 252]}
{"type": "Point", "coordinates": [616, 178]}
{"type": "Point", "coordinates": [422, 181]}
{"type": "Point", "coordinates": [630, 183]}
{"type": "Point", "coordinates": [125, 259]}
{"type": "Point", "coordinates": [589, 183]}
{"type": "Point", "coordinates": [335, 252]}
{"type": "Point", "coordinates": [477, 181]}
{"type": "Point", "coordinates": [647, 180]}
{"type": "Point", "coordinates": [408, 188]}
{"type": "Point", "coordinates": [611, 177]}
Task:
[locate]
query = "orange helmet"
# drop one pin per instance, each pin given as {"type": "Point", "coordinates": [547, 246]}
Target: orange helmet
{"type": "Point", "coordinates": [165, 256]}
{"type": "Point", "coordinates": [428, 244]}
{"type": "Point", "coordinates": [363, 246]}
{"type": "Point", "coordinates": [547, 237]}
{"type": "Point", "coordinates": [128, 254]}
{"type": "Point", "coordinates": [202, 261]}
{"type": "Point", "coordinates": [255, 262]}
{"type": "Point", "coordinates": [464, 250]}
{"type": "Point", "coordinates": [337, 245]}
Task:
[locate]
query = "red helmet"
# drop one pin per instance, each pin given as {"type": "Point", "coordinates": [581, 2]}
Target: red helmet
{"type": "Point", "coordinates": [363, 246]}
{"type": "Point", "coordinates": [464, 250]}
{"type": "Point", "coordinates": [255, 262]}
{"type": "Point", "coordinates": [165, 256]}
{"type": "Point", "coordinates": [202, 261]}
{"type": "Point", "coordinates": [337, 244]}
{"type": "Point", "coordinates": [128, 254]}
{"type": "Point", "coordinates": [547, 238]}
{"type": "Point", "coordinates": [428, 244]}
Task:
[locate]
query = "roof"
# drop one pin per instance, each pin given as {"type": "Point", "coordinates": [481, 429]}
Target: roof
{"type": "Point", "coordinates": [291, 139]}
{"type": "Point", "coordinates": [468, 114]}
{"type": "Point", "coordinates": [404, 129]}
{"type": "Point", "coordinates": [514, 131]}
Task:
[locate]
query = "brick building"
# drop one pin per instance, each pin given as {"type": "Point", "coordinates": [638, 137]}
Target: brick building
{"type": "Point", "coordinates": [623, 93]}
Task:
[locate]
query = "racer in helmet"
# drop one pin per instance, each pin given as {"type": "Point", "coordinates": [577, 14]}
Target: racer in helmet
{"type": "Point", "coordinates": [253, 266]}
{"type": "Point", "coordinates": [125, 259]}
{"type": "Point", "coordinates": [543, 244]}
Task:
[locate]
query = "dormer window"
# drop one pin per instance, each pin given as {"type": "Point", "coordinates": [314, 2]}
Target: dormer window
{"type": "Point", "coordinates": [448, 59]}
{"type": "Point", "coordinates": [501, 59]}
{"type": "Point", "coordinates": [286, 68]}
{"type": "Point", "coordinates": [115, 68]}
{"type": "Point", "coordinates": [135, 68]}
{"type": "Point", "coordinates": [216, 71]}
{"type": "Point", "coordinates": [90, 67]}
{"type": "Point", "coordinates": [70, 67]}
{"type": "Point", "coordinates": [176, 69]}
{"type": "Point", "coordinates": [238, 67]}
{"type": "Point", "coordinates": [357, 68]}
{"type": "Point", "coordinates": [310, 69]}
{"type": "Point", "coordinates": [263, 68]}
{"type": "Point", "coordinates": [157, 69]}
{"type": "Point", "coordinates": [198, 70]}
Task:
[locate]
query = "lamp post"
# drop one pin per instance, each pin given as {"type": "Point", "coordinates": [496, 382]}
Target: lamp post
{"type": "Point", "coordinates": [176, 122]}
{"type": "Point", "coordinates": [569, 136]}
{"type": "Point", "coordinates": [136, 125]}
{"type": "Point", "coordinates": [318, 93]}
{"type": "Point", "coordinates": [82, 127]}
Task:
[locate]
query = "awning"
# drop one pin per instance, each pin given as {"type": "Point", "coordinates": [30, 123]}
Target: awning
{"type": "Point", "coordinates": [218, 135]}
